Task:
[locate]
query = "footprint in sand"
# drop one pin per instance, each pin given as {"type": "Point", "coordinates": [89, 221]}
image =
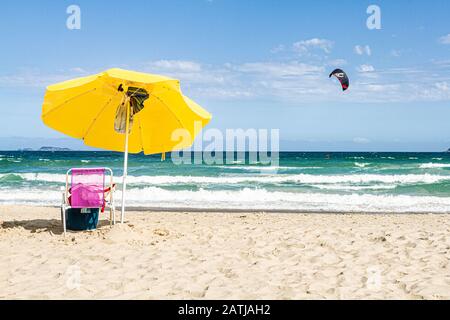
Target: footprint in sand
{"type": "Point", "coordinates": [161, 232]}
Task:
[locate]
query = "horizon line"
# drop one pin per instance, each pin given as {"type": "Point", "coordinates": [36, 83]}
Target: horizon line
{"type": "Point", "coordinates": [246, 151]}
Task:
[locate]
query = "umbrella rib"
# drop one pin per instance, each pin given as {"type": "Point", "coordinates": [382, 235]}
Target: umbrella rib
{"type": "Point", "coordinates": [141, 135]}
{"type": "Point", "coordinates": [98, 114]}
{"type": "Point", "coordinates": [67, 101]}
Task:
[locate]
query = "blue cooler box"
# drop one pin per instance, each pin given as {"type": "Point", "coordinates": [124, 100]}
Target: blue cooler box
{"type": "Point", "coordinates": [82, 219]}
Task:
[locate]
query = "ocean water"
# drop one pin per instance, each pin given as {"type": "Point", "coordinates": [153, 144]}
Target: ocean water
{"type": "Point", "coordinates": [302, 181]}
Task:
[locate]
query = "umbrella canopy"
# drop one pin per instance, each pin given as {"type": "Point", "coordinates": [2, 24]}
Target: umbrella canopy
{"type": "Point", "coordinates": [87, 108]}
{"type": "Point", "coordinates": [123, 110]}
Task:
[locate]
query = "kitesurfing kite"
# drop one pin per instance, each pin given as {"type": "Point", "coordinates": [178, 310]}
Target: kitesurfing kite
{"type": "Point", "coordinates": [342, 77]}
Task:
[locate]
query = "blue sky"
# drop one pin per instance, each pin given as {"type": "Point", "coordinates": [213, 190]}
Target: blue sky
{"type": "Point", "coordinates": [252, 64]}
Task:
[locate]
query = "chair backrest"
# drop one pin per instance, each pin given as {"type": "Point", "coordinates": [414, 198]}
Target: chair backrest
{"type": "Point", "coordinates": [87, 187]}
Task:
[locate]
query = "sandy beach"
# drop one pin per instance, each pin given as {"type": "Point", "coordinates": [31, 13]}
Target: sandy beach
{"type": "Point", "coordinates": [173, 255]}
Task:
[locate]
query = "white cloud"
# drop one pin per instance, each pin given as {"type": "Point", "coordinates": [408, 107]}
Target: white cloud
{"type": "Point", "coordinates": [279, 69]}
{"type": "Point", "coordinates": [361, 50]}
{"type": "Point", "coordinates": [443, 86]}
{"type": "Point", "coordinates": [358, 50]}
{"type": "Point", "coordinates": [365, 68]}
{"type": "Point", "coordinates": [442, 63]}
{"type": "Point", "coordinates": [78, 70]}
{"type": "Point", "coordinates": [35, 78]}
{"type": "Point", "coordinates": [337, 62]}
{"type": "Point", "coordinates": [304, 46]}
{"type": "Point", "coordinates": [375, 87]}
{"type": "Point", "coordinates": [278, 48]}
{"type": "Point", "coordinates": [176, 65]}
{"type": "Point", "coordinates": [225, 93]}
{"type": "Point", "coordinates": [395, 53]}
{"type": "Point", "coordinates": [191, 73]}
{"type": "Point", "coordinates": [296, 81]}
{"type": "Point", "coordinates": [361, 140]}
{"type": "Point", "coordinates": [445, 39]}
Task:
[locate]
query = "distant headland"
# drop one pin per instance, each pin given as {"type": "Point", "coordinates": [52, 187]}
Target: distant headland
{"type": "Point", "coordinates": [46, 148]}
{"type": "Point", "coordinates": [53, 149]}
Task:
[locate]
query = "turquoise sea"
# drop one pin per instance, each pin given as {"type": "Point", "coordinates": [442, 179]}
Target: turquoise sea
{"type": "Point", "coordinates": [302, 181]}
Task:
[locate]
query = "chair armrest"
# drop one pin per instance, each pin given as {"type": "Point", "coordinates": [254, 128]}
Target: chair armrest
{"type": "Point", "coordinates": [64, 194]}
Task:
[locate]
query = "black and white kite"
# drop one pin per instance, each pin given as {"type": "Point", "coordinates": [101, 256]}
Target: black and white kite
{"type": "Point", "coordinates": [342, 77]}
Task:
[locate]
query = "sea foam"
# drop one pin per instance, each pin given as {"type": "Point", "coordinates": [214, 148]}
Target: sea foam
{"type": "Point", "coordinates": [259, 178]}
{"type": "Point", "coordinates": [251, 199]}
{"type": "Point", "coordinates": [434, 165]}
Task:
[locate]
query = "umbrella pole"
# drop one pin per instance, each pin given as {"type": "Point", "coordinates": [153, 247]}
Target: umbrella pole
{"type": "Point", "coordinates": [125, 164]}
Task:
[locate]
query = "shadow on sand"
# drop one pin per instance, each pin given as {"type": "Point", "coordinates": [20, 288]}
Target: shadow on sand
{"type": "Point", "coordinates": [43, 225]}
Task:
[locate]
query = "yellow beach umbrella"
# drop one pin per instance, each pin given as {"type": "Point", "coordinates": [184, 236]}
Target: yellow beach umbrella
{"type": "Point", "coordinates": [124, 111]}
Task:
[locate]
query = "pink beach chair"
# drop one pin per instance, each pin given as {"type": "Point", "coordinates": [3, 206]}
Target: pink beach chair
{"type": "Point", "coordinates": [88, 189]}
